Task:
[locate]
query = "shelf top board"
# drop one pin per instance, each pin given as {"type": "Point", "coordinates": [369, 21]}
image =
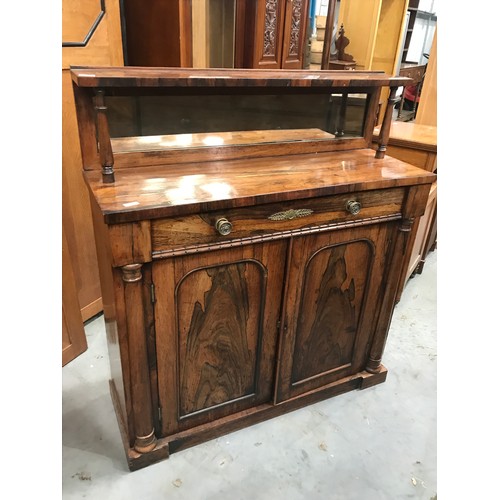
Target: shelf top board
{"type": "Point", "coordinates": [133, 77]}
{"type": "Point", "coordinates": [411, 135]}
{"type": "Point", "coordinates": [167, 191]}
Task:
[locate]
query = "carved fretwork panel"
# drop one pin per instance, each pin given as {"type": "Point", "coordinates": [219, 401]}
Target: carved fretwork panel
{"type": "Point", "coordinates": [270, 28]}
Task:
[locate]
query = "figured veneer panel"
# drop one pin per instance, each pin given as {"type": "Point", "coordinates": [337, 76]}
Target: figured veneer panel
{"type": "Point", "coordinates": [216, 332]}
{"type": "Point", "coordinates": [195, 230]}
{"type": "Point", "coordinates": [326, 335]}
{"type": "Point", "coordinates": [338, 279]}
{"type": "Point", "coordinates": [219, 317]}
{"type": "Point", "coordinates": [156, 192]}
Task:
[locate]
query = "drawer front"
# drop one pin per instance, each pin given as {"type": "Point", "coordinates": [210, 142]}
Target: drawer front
{"type": "Point", "coordinates": [270, 221]}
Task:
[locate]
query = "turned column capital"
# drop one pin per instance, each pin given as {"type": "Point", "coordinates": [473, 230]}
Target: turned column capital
{"type": "Point", "coordinates": [132, 273]}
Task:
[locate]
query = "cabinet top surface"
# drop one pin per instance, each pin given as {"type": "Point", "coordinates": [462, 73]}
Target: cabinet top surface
{"type": "Point", "coordinates": [164, 191]}
{"type": "Point", "coordinates": [189, 77]}
{"type": "Point", "coordinates": [411, 134]}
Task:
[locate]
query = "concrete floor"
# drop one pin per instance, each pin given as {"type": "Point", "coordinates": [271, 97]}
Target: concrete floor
{"type": "Point", "coordinates": [379, 443]}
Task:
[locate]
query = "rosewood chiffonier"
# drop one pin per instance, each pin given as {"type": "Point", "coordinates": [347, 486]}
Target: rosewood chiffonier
{"type": "Point", "coordinates": [249, 241]}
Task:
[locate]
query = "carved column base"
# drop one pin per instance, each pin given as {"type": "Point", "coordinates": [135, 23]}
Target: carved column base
{"type": "Point", "coordinates": [143, 444]}
{"type": "Point", "coordinates": [374, 366]}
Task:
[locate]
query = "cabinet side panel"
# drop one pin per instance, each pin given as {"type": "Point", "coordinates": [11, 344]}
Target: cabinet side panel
{"type": "Point", "coordinates": [336, 280]}
{"type": "Point", "coordinates": [117, 350]}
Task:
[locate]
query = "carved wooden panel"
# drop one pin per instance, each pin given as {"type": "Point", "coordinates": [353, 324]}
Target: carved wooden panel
{"type": "Point", "coordinates": [270, 27]}
{"type": "Point", "coordinates": [268, 33]}
{"type": "Point", "coordinates": [294, 31]}
{"type": "Point", "coordinates": [338, 277]}
{"type": "Point", "coordinates": [216, 331]}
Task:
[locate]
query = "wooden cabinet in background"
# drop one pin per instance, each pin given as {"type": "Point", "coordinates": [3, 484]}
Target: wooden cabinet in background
{"type": "Point", "coordinates": [275, 34]}
{"type": "Point", "coordinates": [74, 341]}
{"type": "Point", "coordinates": [91, 35]}
{"type": "Point", "coordinates": [263, 34]}
{"type": "Point", "coordinates": [416, 144]}
{"type": "Point", "coordinates": [375, 29]}
{"type": "Point", "coordinates": [249, 263]}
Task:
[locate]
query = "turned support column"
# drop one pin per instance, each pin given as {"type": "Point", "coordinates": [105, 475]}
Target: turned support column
{"type": "Point", "coordinates": [385, 130]}
{"type": "Point", "coordinates": [145, 439]}
{"type": "Point", "coordinates": [103, 139]}
{"type": "Point", "coordinates": [374, 364]}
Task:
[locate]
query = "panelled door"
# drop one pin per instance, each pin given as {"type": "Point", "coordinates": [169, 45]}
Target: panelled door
{"type": "Point", "coordinates": [216, 318]}
{"type": "Point", "coordinates": [335, 282]}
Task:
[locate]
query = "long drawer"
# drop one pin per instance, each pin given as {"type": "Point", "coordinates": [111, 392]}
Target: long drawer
{"type": "Point", "coordinates": [188, 234]}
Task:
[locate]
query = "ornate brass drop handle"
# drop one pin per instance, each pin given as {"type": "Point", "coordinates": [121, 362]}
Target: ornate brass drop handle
{"type": "Point", "coordinates": [353, 207]}
{"type": "Point", "coordinates": [223, 226]}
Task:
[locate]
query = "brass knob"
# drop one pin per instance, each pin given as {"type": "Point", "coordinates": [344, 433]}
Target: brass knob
{"type": "Point", "coordinates": [353, 207]}
{"type": "Point", "coordinates": [223, 226]}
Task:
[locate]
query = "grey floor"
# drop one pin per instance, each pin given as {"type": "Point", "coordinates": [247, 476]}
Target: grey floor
{"type": "Point", "coordinates": [379, 443]}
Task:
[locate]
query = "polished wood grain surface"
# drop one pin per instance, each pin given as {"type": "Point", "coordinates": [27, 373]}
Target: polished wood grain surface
{"type": "Point", "coordinates": [334, 285]}
{"type": "Point", "coordinates": [270, 219]}
{"type": "Point", "coordinates": [180, 77]}
{"type": "Point", "coordinates": [327, 328]}
{"type": "Point", "coordinates": [411, 135]}
{"type": "Point", "coordinates": [153, 192]}
{"type": "Point", "coordinates": [219, 317]}
{"type": "Point", "coordinates": [216, 332]}
{"type": "Point", "coordinates": [176, 141]}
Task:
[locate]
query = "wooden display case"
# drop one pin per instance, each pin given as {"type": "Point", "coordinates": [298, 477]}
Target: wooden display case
{"type": "Point", "coordinates": [249, 240]}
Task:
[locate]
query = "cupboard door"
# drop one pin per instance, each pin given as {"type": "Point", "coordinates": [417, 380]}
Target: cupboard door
{"type": "Point", "coordinates": [334, 285]}
{"type": "Point", "coordinates": [216, 316]}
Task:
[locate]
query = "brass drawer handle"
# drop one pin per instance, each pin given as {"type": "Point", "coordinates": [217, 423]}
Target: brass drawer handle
{"type": "Point", "coordinates": [353, 207]}
{"type": "Point", "coordinates": [291, 214]}
{"type": "Point", "coordinates": [223, 226]}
